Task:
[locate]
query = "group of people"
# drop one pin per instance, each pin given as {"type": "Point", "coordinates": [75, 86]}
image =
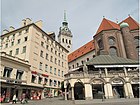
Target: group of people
{"type": "Point", "coordinates": [23, 99]}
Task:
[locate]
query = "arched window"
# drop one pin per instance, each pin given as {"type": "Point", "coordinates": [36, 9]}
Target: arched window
{"type": "Point", "coordinates": [100, 44]}
{"type": "Point", "coordinates": [113, 51]}
{"type": "Point", "coordinates": [111, 40]}
{"type": "Point", "coordinates": [66, 41]}
{"type": "Point", "coordinates": [69, 41]}
{"type": "Point", "coordinates": [63, 40]}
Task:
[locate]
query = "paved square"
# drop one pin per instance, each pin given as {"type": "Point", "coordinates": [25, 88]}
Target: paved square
{"type": "Point", "coordinates": [60, 101]}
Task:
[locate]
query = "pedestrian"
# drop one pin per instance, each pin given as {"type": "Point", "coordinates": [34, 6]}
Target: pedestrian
{"type": "Point", "coordinates": [14, 98]}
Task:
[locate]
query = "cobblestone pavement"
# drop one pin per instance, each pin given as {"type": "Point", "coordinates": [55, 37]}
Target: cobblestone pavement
{"type": "Point", "coordinates": [60, 101]}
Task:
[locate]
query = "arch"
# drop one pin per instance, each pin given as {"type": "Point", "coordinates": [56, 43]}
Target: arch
{"type": "Point", "coordinates": [100, 44]}
{"type": "Point", "coordinates": [97, 87]}
{"type": "Point", "coordinates": [79, 91]}
{"type": "Point", "coordinates": [114, 79]}
{"type": "Point", "coordinates": [66, 41]}
{"type": "Point", "coordinates": [118, 89]}
{"type": "Point", "coordinates": [113, 51]}
{"type": "Point", "coordinates": [97, 80]}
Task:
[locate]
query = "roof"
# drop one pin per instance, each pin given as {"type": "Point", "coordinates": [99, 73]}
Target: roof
{"type": "Point", "coordinates": [131, 22]}
{"type": "Point", "coordinates": [110, 60]}
{"type": "Point", "coordinates": [81, 51]}
{"type": "Point", "coordinates": [107, 25]}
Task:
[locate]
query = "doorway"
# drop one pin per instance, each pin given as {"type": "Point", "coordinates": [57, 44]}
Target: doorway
{"type": "Point", "coordinates": [97, 91]}
{"type": "Point", "coordinates": [79, 91]}
{"type": "Point", "coordinates": [135, 88]}
{"type": "Point", "coordinates": [118, 91]}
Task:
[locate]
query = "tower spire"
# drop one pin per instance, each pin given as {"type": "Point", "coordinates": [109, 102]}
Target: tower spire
{"type": "Point", "coordinates": [65, 15]}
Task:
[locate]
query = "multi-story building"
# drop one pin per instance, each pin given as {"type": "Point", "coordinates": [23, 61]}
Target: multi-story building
{"type": "Point", "coordinates": [112, 68]}
{"type": "Point", "coordinates": [47, 57]}
{"type": "Point", "coordinates": [14, 76]}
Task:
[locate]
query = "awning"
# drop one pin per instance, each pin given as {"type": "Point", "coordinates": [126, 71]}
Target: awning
{"type": "Point", "coordinates": [33, 72]}
{"type": "Point", "coordinates": [45, 75]}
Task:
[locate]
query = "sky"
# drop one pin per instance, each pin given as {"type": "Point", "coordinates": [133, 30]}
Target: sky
{"type": "Point", "coordinates": [83, 16]}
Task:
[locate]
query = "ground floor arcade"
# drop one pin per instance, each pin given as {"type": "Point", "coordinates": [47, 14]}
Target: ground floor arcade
{"type": "Point", "coordinates": [98, 88]}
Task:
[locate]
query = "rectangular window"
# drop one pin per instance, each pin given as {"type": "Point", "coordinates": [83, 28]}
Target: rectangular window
{"type": "Point", "coordinates": [55, 82]}
{"type": "Point", "coordinates": [18, 41]}
{"type": "Point", "coordinates": [17, 51]}
{"type": "Point", "coordinates": [41, 54]}
{"type": "Point", "coordinates": [55, 52]}
{"type": "Point", "coordinates": [54, 71]}
{"type": "Point", "coordinates": [45, 81]}
{"type": "Point", "coordinates": [19, 74]}
{"type": "Point", "coordinates": [46, 68]}
{"type": "Point", "coordinates": [62, 73]}
{"type": "Point", "coordinates": [33, 79]}
{"type": "Point", "coordinates": [55, 61]}
{"type": "Point", "coordinates": [50, 83]}
{"type": "Point", "coordinates": [7, 72]}
{"type": "Point", "coordinates": [46, 56]}
{"type": "Point", "coordinates": [47, 47]}
{"type": "Point", "coordinates": [52, 50]}
{"type": "Point", "coordinates": [6, 45]}
{"type": "Point", "coordinates": [51, 69]}
{"type": "Point", "coordinates": [25, 39]}
{"type": "Point", "coordinates": [10, 53]}
{"type": "Point", "coordinates": [40, 66]}
{"type": "Point", "coordinates": [39, 80]}
{"type": "Point", "coordinates": [59, 62]}
{"type": "Point", "coordinates": [58, 83]}
{"type": "Point", "coordinates": [12, 43]}
{"type": "Point", "coordinates": [58, 72]}
{"type": "Point", "coordinates": [42, 44]}
{"type": "Point", "coordinates": [62, 64]}
{"type": "Point", "coordinates": [24, 49]}
{"type": "Point", "coordinates": [51, 59]}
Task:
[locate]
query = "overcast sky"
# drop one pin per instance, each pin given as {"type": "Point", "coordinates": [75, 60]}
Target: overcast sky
{"type": "Point", "coordinates": [83, 16]}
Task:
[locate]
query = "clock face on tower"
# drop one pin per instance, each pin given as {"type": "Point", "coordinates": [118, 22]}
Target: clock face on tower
{"type": "Point", "coordinates": [66, 29]}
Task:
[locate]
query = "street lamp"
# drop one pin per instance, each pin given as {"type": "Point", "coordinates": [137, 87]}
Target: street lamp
{"type": "Point", "coordinates": [102, 93]}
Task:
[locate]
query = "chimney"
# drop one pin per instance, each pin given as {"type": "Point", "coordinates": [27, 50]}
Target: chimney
{"type": "Point", "coordinates": [39, 23]}
{"type": "Point", "coordinates": [23, 22]}
{"type": "Point", "coordinates": [11, 28]}
{"type": "Point", "coordinates": [28, 21]}
{"type": "Point", "coordinates": [4, 32]}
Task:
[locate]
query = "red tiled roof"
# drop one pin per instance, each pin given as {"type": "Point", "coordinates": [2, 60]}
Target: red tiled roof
{"type": "Point", "coordinates": [107, 25]}
{"type": "Point", "coordinates": [131, 22]}
{"type": "Point", "coordinates": [81, 51]}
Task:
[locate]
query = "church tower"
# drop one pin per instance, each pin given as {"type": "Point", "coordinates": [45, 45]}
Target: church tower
{"type": "Point", "coordinates": [65, 35]}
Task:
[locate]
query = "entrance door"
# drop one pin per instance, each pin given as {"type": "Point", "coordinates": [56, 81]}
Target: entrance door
{"type": "Point", "coordinates": [135, 88]}
{"type": "Point", "coordinates": [97, 91]}
{"type": "Point", "coordinates": [79, 91]}
{"type": "Point", "coordinates": [118, 91]}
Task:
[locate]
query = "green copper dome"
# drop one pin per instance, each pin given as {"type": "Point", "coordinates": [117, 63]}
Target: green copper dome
{"type": "Point", "coordinates": [123, 24]}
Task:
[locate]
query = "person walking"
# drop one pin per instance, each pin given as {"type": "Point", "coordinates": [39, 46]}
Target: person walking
{"type": "Point", "coordinates": [14, 98]}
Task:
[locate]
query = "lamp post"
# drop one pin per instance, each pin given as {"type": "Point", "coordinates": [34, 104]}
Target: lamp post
{"type": "Point", "coordinates": [100, 73]}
